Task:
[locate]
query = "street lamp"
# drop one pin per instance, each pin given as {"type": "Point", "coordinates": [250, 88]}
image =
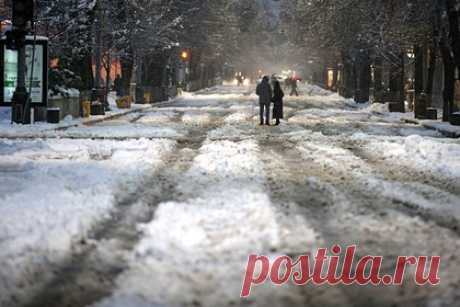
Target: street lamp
{"type": "Point", "coordinates": [184, 55]}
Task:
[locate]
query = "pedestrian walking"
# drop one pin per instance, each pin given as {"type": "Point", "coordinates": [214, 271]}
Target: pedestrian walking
{"type": "Point", "coordinates": [264, 91]}
{"type": "Point", "coordinates": [277, 99]}
{"type": "Point", "coordinates": [293, 83]}
{"type": "Point", "coordinates": [240, 79]}
{"type": "Point", "coordinates": [287, 83]}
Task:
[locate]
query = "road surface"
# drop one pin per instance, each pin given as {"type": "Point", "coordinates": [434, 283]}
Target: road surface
{"type": "Point", "coordinates": [210, 187]}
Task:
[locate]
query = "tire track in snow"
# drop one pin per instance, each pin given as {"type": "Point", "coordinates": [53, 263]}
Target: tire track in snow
{"type": "Point", "coordinates": [398, 171]}
{"type": "Point", "coordinates": [335, 157]}
{"type": "Point", "coordinates": [295, 192]}
{"type": "Point", "coordinates": [198, 247]}
{"type": "Point", "coordinates": [90, 271]}
{"type": "Point", "coordinates": [417, 192]}
{"type": "Point", "coordinates": [371, 220]}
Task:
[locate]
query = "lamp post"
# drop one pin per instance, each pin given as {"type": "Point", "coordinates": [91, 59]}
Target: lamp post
{"type": "Point", "coordinates": [23, 15]}
{"type": "Point", "coordinates": [185, 58]}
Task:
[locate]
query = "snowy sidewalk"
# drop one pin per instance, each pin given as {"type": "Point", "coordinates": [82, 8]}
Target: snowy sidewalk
{"type": "Point", "coordinates": [53, 193]}
{"type": "Point", "coordinates": [45, 130]}
{"type": "Point", "coordinates": [444, 128]}
{"type": "Point", "coordinates": [42, 129]}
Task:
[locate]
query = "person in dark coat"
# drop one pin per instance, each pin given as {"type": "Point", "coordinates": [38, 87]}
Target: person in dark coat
{"type": "Point", "coordinates": [239, 80]}
{"type": "Point", "coordinates": [277, 99]}
{"type": "Point", "coordinates": [264, 91]}
{"type": "Point", "coordinates": [287, 83]}
{"type": "Point", "coordinates": [293, 84]}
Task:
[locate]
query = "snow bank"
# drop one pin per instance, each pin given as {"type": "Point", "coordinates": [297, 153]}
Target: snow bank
{"type": "Point", "coordinates": [381, 108]}
{"type": "Point", "coordinates": [37, 130]}
{"type": "Point", "coordinates": [159, 117]}
{"type": "Point", "coordinates": [313, 90]}
{"type": "Point", "coordinates": [52, 193]}
{"type": "Point", "coordinates": [120, 132]}
{"type": "Point", "coordinates": [435, 156]}
{"type": "Point", "coordinates": [201, 98]}
{"type": "Point", "coordinates": [242, 116]}
{"type": "Point", "coordinates": [438, 156]}
{"type": "Point", "coordinates": [444, 127]}
{"type": "Point", "coordinates": [5, 115]}
{"type": "Point", "coordinates": [330, 115]}
{"type": "Point", "coordinates": [197, 118]}
{"type": "Point", "coordinates": [230, 132]}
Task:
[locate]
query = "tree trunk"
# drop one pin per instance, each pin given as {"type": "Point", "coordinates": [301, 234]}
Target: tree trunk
{"type": "Point", "coordinates": [335, 78]}
{"type": "Point", "coordinates": [397, 83]}
{"type": "Point", "coordinates": [136, 78]}
{"type": "Point", "coordinates": [126, 73]}
{"type": "Point", "coordinates": [419, 71]}
{"type": "Point", "coordinates": [378, 79]}
{"type": "Point", "coordinates": [350, 80]}
{"type": "Point", "coordinates": [108, 71]}
{"type": "Point", "coordinates": [395, 76]}
{"type": "Point", "coordinates": [363, 79]}
{"type": "Point", "coordinates": [402, 94]}
{"type": "Point", "coordinates": [347, 83]}
{"type": "Point", "coordinates": [431, 71]}
{"type": "Point", "coordinates": [325, 78]}
{"type": "Point", "coordinates": [449, 78]}
{"type": "Point", "coordinates": [454, 29]}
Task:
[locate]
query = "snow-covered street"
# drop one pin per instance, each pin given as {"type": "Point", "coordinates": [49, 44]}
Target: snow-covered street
{"type": "Point", "coordinates": [163, 207]}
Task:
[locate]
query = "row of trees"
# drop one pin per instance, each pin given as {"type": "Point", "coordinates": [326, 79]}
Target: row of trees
{"type": "Point", "coordinates": [84, 32]}
{"type": "Point", "coordinates": [145, 35]}
{"type": "Point", "coordinates": [368, 43]}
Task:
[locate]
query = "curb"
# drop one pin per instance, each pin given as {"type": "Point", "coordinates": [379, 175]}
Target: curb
{"type": "Point", "coordinates": [445, 132]}
{"type": "Point", "coordinates": [97, 120]}
{"type": "Point", "coordinates": [100, 119]}
{"type": "Point", "coordinates": [85, 122]}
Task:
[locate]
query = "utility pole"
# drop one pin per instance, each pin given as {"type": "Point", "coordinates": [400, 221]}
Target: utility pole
{"type": "Point", "coordinates": [20, 96]}
{"type": "Point", "coordinates": [185, 59]}
{"type": "Point", "coordinates": [139, 94]}
{"type": "Point", "coordinates": [23, 15]}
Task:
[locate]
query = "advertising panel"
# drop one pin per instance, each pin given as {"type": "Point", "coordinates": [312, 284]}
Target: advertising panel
{"type": "Point", "coordinates": [36, 77]}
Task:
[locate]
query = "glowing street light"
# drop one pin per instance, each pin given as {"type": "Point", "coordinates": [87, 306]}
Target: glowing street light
{"type": "Point", "coordinates": [184, 55]}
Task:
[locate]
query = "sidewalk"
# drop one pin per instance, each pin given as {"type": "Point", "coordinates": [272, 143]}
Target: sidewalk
{"type": "Point", "coordinates": [445, 128]}
{"type": "Point", "coordinates": [46, 130]}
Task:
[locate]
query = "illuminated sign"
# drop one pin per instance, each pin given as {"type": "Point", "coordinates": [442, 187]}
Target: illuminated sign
{"type": "Point", "coordinates": [36, 80]}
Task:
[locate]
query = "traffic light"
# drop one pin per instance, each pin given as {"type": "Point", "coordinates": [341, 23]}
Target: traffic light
{"type": "Point", "coordinates": [23, 14]}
